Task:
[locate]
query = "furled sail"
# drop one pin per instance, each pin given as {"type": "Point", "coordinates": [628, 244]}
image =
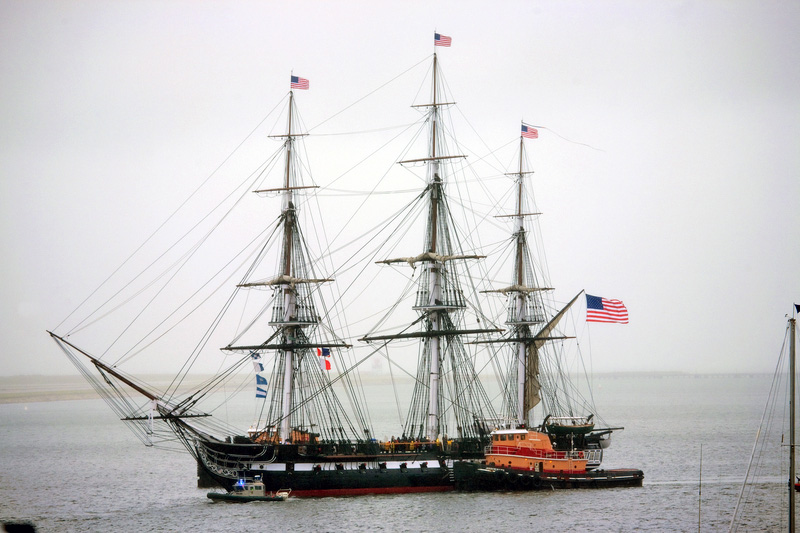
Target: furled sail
{"type": "Point", "coordinates": [532, 385]}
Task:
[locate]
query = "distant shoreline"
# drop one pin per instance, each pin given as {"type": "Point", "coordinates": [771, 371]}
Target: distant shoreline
{"type": "Point", "coordinates": [32, 388]}
{"type": "Point", "coordinates": [38, 388]}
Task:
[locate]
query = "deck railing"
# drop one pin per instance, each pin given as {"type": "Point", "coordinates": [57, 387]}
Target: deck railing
{"type": "Point", "coordinates": [532, 452]}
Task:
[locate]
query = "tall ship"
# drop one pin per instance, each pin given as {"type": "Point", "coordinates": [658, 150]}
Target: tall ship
{"type": "Point", "coordinates": [311, 432]}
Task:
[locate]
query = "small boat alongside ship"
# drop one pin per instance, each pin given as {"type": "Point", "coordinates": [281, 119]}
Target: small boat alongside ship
{"type": "Point", "coordinates": [250, 491]}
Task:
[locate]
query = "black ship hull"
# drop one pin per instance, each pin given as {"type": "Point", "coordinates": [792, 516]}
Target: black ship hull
{"type": "Point", "coordinates": [475, 476]}
{"type": "Point", "coordinates": [309, 473]}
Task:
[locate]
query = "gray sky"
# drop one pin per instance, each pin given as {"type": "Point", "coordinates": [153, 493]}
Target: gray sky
{"type": "Point", "coordinates": [686, 205]}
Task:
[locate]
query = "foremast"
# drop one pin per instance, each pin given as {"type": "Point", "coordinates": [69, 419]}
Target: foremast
{"type": "Point", "coordinates": [440, 303]}
{"type": "Point", "coordinates": [302, 404]}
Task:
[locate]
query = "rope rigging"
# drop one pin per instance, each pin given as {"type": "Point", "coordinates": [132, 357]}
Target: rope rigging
{"type": "Point", "coordinates": [301, 314]}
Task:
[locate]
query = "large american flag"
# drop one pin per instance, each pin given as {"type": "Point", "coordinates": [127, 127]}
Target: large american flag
{"type": "Point", "coordinates": [298, 83]}
{"type": "Point", "coordinates": [530, 133]}
{"type": "Point", "coordinates": [441, 40]}
{"type": "Point", "coordinates": [600, 309]}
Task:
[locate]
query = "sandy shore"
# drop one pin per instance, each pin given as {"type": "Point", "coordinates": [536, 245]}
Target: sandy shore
{"type": "Point", "coordinates": [22, 389]}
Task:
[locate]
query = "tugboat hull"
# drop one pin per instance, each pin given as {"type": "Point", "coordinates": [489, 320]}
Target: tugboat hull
{"type": "Point", "coordinates": [473, 476]}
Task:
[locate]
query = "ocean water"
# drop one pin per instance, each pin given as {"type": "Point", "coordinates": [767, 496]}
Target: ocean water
{"type": "Point", "coordinates": [72, 466]}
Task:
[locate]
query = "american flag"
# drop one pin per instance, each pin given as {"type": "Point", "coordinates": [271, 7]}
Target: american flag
{"type": "Point", "coordinates": [529, 133]}
{"type": "Point", "coordinates": [441, 40]}
{"type": "Point", "coordinates": [600, 309]}
{"type": "Point", "coordinates": [298, 83]}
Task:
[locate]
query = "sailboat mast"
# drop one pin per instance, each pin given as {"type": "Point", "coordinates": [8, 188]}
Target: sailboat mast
{"type": "Point", "coordinates": [792, 400]}
{"type": "Point", "coordinates": [434, 288]}
{"type": "Point", "coordinates": [289, 296]}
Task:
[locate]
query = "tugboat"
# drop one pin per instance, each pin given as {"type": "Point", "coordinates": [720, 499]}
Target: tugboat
{"type": "Point", "coordinates": [250, 491]}
{"type": "Point", "coordinates": [523, 459]}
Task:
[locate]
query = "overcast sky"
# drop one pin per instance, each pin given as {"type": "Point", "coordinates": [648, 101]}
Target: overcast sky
{"type": "Point", "coordinates": [685, 204]}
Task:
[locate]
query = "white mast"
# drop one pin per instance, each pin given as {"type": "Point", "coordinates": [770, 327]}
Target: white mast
{"type": "Point", "coordinates": [519, 297]}
{"type": "Point", "coordinates": [792, 399]}
{"type": "Point", "coordinates": [520, 318]}
{"type": "Point", "coordinates": [433, 267]}
{"type": "Point", "coordinates": [297, 339]}
{"type": "Point", "coordinates": [289, 296]}
{"type": "Point", "coordinates": [445, 366]}
{"type": "Point", "coordinates": [525, 311]}
{"type": "Point", "coordinates": [737, 512]}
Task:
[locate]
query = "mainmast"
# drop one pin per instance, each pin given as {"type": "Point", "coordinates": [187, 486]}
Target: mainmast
{"type": "Point", "coordinates": [433, 271]}
{"type": "Point", "coordinates": [289, 295]}
{"type": "Point", "coordinates": [444, 364]}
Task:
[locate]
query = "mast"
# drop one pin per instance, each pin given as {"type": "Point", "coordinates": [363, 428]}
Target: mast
{"type": "Point", "coordinates": [433, 292]}
{"type": "Point", "coordinates": [519, 297]}
{"type": "Point", "coordinates": [530, 327]}
{"type": "Point", "coordinates": [300, 404]}
{"type": "Point", "coordinates": [525, 307]}
{"type": "Point", "coordinates": [447, 387]}
{"type": "Point", "coordinates": [792, 401]}
{"type": "Point", "coordinates": [289, 298]}
{"type": "Point", "coordinates": [761, 435]}
{"type": "Point", "coordinates": [522, 316]}
{"type": "Point", "coordinates": [301, 401]}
